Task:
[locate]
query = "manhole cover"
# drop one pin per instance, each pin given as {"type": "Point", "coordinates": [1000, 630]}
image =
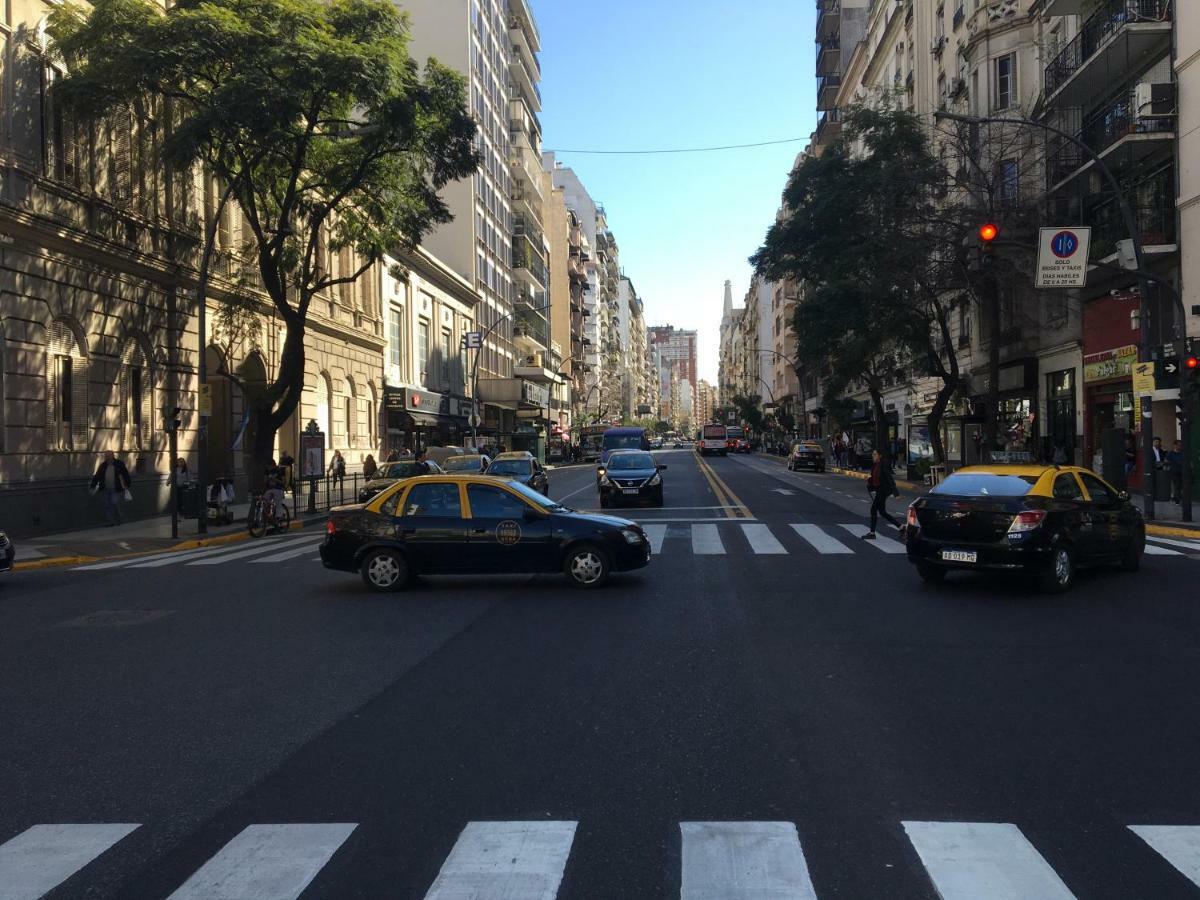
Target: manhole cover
{"type": "Point", "coordinates": [117, 618]}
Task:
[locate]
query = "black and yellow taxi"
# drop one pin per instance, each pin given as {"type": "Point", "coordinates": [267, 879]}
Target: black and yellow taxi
{"type": "Point", "coordinates": [1045, 521]}
{"type": "Point", "coordinates": [476, 524]}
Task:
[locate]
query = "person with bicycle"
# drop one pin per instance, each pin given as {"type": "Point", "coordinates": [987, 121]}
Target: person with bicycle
{"type": "Point", "coordinates": [273, 495]}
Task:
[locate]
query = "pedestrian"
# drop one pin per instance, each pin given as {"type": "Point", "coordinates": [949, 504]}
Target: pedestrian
{"type": "Point", "coordinates": [1060, 455]}
{"type": "Point", "coordinates": [112, 479]}
{"type": "Point", "coordinates": [1130, 457]}
{"type": "Point", "coordinates": [337, 467]}
{"type": "Point", "coordinates": [1175, 468]}
{"type": "Point", "coordinates": [880, 485]}
{"type": "Point", "coordinates": [369, 466]}
{"type": "Point", "coordinates": [422, 464]}
{"type": "Point", "coordinates": [393, 456]}
{"type": "Point", "coordinates": [181, 470]}
{"type": "Point", "coordinates": [288, 464]}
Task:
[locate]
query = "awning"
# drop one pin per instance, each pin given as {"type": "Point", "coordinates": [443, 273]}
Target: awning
{"type": "Point", "coordinates": [421, 418]}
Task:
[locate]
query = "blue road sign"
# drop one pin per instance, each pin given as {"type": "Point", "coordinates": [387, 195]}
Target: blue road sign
{"type": "Point", "coordinates": [1064, 244]}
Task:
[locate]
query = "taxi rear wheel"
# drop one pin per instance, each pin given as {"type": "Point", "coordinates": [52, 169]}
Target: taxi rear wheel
{"type": "Point", "coordinates": [384, 571]}
{"type": "Point", "coordinates": [1061, 574]}
{"type": "Point", "coordinates": [586, 566]}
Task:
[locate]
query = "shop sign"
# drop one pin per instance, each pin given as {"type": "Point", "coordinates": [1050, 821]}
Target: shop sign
{"type": "Point", "coordinates": [393, 400]}
{"type": "Point", "coordinates": [1108, 364]}
{"type": "Point", "coordinates": [1143, 379]}
{"type": "Point", "coordinates": [427, 402]}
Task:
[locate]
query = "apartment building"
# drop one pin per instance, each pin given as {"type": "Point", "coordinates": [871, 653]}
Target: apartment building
{"type": "Point", "coordinates": [841, 26]}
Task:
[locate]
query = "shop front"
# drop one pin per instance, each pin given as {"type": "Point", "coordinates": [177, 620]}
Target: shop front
{"type": "Point", "coordinates": [528, 405]}
{"type": "Point", "coordinates": [417, 419]}
{"type": "Point", "coordinates": [1017, 425]}
{"type": "Point", "coordinates": [1112, 419]}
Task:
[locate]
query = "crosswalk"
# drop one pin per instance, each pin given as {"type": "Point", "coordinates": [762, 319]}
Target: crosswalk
{"type": "Point", "coordinates": [698, 538]}
{"type": "Point", "coordinates": [527, 860]}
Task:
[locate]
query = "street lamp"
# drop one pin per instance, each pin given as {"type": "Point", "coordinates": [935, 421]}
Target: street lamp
{"type": "Point", "coordinates": [1144, 279]}
{"type": "Point", "coordinates": [475, 369]}
{"type": "Point", "coordinates": [799, 382]}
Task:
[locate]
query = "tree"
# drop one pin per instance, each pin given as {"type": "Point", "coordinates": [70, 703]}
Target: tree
{"type": "Point", "coordinates": [749, 411]}
{"type": "Point", "coordinates": [311, 116]}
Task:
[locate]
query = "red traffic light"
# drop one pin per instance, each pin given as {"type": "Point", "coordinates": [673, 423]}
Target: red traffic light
{"type": "Point", "coordinates": [988, 232]}
{"type": "Point", "coordinates": [1192, 363]}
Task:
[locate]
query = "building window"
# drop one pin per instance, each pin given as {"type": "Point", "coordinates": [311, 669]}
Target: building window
{"type": "Point", "coordinates": [396, 338]}
{"type": "Point", "coordinates": [1006, 81]}
{"type": "Point", "coordinates": [349, 401]}
{"type": "Point", "coordinates": [66, 390]}
{"type": "Point", "coordinates": [423, 353]}
{"type": "Point", "coordinates": [1009, 187]}
{"type": "Point", "coordinates": [323, 416]}
{"type": "Point", "coordinates": [447, 358]}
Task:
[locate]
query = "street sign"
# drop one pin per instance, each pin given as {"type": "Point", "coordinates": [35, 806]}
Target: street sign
{"type": "Point", "coordinates": [473, 340]}
{"type": "Point", "coordinates": [1143, 379]}
{"type": "Point", "coordinates": [204, 400]}
{"type": "Point", "coordinates": [1063, 257]}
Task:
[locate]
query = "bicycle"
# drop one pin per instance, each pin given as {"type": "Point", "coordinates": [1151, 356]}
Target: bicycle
{"type": "Point", "coordinates": [266, 515]}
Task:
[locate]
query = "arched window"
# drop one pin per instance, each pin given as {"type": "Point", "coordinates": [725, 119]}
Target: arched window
{"type": "Point", "coordinates": [137, 397]}
{"type": "Point", "coordinates": [372, 414]}
{"type": "Point", "coordinates": [324, 392]}
{"type": "Point", "coordinates": [349, 417]}
{"type": "Point", "coordinates": [66, 388]}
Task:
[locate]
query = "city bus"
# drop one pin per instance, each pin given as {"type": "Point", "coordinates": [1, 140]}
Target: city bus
{"type": "Point", "coordinates": [712, 440]}
{"type": "Point", "coordinates": [623, 439]}
{"type": "Point", "coordinates": [591, 441]}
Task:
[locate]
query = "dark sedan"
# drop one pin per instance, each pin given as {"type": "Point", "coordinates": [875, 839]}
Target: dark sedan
{"type": "Point", "coordinates": [389, 473]}
{"type": "Point", "coordinates": [7, 553]}
{"type": "Point", "coordinates": [1045, 521]}
{"type": "Point", "coordinates": [631, 476]}
{"type": "Point", "coordinates": [476, 524]}
{"type": "Point", "coordinates": [522, 467]}
{"type": "Point", "coordinates": [807, 455]}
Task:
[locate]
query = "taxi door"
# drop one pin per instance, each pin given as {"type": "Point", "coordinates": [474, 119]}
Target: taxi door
{"type": "Point", "coordinates": [431, 527]}
{"type": "Point", "coordinates": [1110, 528]}
{"type": "Point", "coordinates": [506, 534]}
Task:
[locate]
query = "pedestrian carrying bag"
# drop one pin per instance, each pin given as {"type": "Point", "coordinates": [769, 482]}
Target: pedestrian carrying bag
{"type": "Point", "coordinates": [128, 495]}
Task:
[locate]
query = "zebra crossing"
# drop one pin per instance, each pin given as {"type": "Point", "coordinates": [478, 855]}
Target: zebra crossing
{"type": "Point", "coordinates": [698, 538]}
{"type": "Point", "coordinates": [527, 860]}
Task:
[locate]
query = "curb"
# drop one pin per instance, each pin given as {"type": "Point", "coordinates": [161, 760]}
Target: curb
{"type": "Point", "coordinates": [1172, 531]}
{"type": "Point", "coordinates": [30, 565]}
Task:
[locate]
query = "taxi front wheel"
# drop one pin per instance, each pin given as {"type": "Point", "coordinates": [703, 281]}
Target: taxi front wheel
{"type": "Point", "coordinates": [384, 571]}
{"type": "Point", "coordinates": [587, 567]}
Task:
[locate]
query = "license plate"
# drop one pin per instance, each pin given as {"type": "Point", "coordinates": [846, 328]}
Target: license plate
{"type": "Point", "coordinates": [965, 556]}
{"type": "Point", "coordinates": [629, 490]}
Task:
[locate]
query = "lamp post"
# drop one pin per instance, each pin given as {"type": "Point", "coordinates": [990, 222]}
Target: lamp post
{"type": "Point", "coordinates": [475, 369]}
{"type": "Point", "coordinates": [799, 384]}
{"type": "Point", "coordinates": [1145, 353]}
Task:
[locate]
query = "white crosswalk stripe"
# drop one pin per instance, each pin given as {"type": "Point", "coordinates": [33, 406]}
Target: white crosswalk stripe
{"type": "Point", "coordinates": [290, 554]}
{"type": "Point", "coordinates": [1177, 844]}
{"type": "Point", "coordinates": [42, 857]}
{"type": "Point", "coordinates": [657, 534]}
{"type": "Point", "coordinates": [886, 544]}
{"type": "Point", "coordinates": [501, 860]}
{"type": "Point", "coordinates": [743, 861]}
{"type": "Point", "coordinates": [993, 860]}
{"type": "Point", "coordinates": [820, 541]}
{"type": "Point", "coordinates": [1194, 546]}
{"type": "Point", "coordinates": [761, 540]}
{"type": "Point", "coordinates": [266, 862]}
{"type": "Point", "coordinates": [256, 548]}
{"type": "Point", "coordinates": [211, 555]}
{"type": "Point", "coordinates": [1152, 550]}
{"type": "Point", "coordinates": [527, 860]}
{"type": "Point", "coordinates": [706, 541]}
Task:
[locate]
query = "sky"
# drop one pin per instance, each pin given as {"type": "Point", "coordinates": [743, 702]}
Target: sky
{"type": "Point", "coordinates": [650, 74]}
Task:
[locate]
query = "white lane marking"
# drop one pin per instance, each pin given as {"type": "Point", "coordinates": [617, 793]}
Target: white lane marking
{"type": "Point", "coordinates": [706, 541]}
{"type": "Point", "coordinates": [970, 860]}
{"type": "Point", "coordinates": [1177, 844]}
{"type": "Point", "coordinates": [42, 857]}
{"type": "Point", "coordinates": [266, 862]}
{"type": "Point", "coordinates": [743, 861]}
{"type": "Point", "coordinates": [1151, 550]}
{"type": "Point", "coordinates": [290, 554]}
{"type": "Point", "coordinates": [820, 541]}
{"type": "Point", "coordinates": [256, 548]}
{"type": "Point", "coordinates": [886, 544]}
{"type": "Point", "coordinates": [1186, 545]}
{"type": "Point", "coordinates": [505, 861]}
{"type": "Point", "coordinates": [761, 540]}
{"type": "Point", "coordinates": [657, 534]}
{"type": "Point", "coordinates": [140, 560]}
{"type": "Point", "coordinates": [586, 487]}
{"type": "Point", "coordinates": [182, 556]}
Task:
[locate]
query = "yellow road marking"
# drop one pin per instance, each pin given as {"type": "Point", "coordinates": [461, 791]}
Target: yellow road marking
{"type": "Point", "coordinates": [724, 492]}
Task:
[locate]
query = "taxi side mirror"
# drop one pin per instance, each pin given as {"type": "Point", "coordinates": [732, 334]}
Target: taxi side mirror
{"type": "Point", "coordinates": [1123, 496]}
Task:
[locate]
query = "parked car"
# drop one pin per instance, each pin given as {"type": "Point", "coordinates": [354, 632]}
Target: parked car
{"type": "Point", "coordinates": [1044, 521]}
{"type": "Point", "coordinates": [631, 476]}
{"type": "Point", "coordinates": [389, 473]}
{"type": "Point", "coordinates": [475, 464]}
{"type": "Point", "coordinates": [439, 455]}
{"type": "Point", "coordinates": [522, 466]}
{"type": "Point", "coordinates": [806, 455]}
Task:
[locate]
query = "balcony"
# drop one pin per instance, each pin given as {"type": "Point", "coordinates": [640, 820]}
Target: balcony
{"type": "Point", "coordinates": [527, 262]}
{"type": "Point", "coordinates": [524, 84]}
{"type": "Point", "coordinates": [1156, 227]}
{"type": "Point", "coordinates": [521, 18]}
{"type": "Point", "coordinates": [1117, 36]}
{"type": "Point", "coordinates": [990, 16]}
{"type": "Point", "coordinates": [829, 18]}
{"type": "Point", "coordinates": [827, 91]}
{"type": "Point", "coordinates": [531, 331]}
{"type": "Point", "coordinates": [829, 126]}
{"type": "Point", "coordinates": [829, 56]}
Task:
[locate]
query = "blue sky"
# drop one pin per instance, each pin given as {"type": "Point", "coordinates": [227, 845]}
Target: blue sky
{"type": "Point", "coordinates": [634, 74]}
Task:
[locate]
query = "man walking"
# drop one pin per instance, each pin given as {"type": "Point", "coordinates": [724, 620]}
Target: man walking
{"type": "Point", "coordinates": [880, 485]}
{"type": "Point", "coordinates": [113, 479]}
{"type": "Point", "coordinates": [1175, 467]}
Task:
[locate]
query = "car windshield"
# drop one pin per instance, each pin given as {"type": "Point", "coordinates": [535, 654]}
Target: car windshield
{"type": "Point", "coordinates": [984, 484]}
{"type": "Point", "coordinates": [509, 467]}
{"type": "Point", "coordinates": [619, 461]}
{"type": "Point", "coordinates": [398, 470]}
{"type": "Point", "coordinates": [464, 464]}
{"type": "Point", "coordinates": [623, 441]}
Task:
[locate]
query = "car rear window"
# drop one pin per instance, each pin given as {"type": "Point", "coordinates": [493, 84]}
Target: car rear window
{"type": "Point", "coordinates": [986, 485]}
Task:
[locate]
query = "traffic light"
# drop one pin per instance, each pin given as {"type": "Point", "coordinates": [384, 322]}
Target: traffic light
{"type": "Point", "coordinates": [988, 232]}
{"type": "Point", "coordinates": [1191, 363]}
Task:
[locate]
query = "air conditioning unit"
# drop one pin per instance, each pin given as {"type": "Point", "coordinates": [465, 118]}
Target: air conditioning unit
{"type": "Point", "coordinates": [1150, 99]}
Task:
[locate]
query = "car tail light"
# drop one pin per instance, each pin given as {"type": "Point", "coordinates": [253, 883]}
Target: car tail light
{"type": "Point", "coordinates": [912, 518]}
{"type": "Point", "coordinates": [1029, 520]}
{"type": "Point", "coordinates": [330, 528]}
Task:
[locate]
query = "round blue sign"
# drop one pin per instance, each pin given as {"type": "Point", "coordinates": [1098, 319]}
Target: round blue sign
{"type": "Point", "coordinates": [1064, 244]}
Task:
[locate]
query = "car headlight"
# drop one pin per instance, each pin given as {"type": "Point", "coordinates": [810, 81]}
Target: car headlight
{"type": "Point", "coordinates": [631, 536]}
{"type": "Point", "coordinates": [655, 481]}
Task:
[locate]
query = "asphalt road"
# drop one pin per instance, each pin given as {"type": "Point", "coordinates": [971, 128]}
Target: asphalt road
{"type": "Point", "coordinates": [774, 708]}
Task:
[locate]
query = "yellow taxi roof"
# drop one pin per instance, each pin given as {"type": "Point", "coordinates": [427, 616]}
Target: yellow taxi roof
{"type": "Point", "coordinates": [1012, 469]}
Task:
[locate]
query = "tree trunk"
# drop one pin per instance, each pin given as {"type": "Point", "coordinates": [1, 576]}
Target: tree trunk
{"type": "Point", "coordinates": [278, 401]}
{"type": "Point", "coordinates": [935, 422]}
{"type": "Point", "coordinates": [882, 444]}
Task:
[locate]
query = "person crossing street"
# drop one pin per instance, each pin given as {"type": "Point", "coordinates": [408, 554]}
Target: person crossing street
{"type": "Point", "coordinates": [881, 485]}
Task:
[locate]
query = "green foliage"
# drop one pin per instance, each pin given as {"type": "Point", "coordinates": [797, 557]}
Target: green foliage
{"type": "Point", "coordinates": [749, 411]}
{"type": "Point", "coordinates": [312, 112]}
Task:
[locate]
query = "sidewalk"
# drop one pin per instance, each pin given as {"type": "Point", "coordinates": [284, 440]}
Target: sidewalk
{"type": "Point", "coordinates": [132, 538]}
